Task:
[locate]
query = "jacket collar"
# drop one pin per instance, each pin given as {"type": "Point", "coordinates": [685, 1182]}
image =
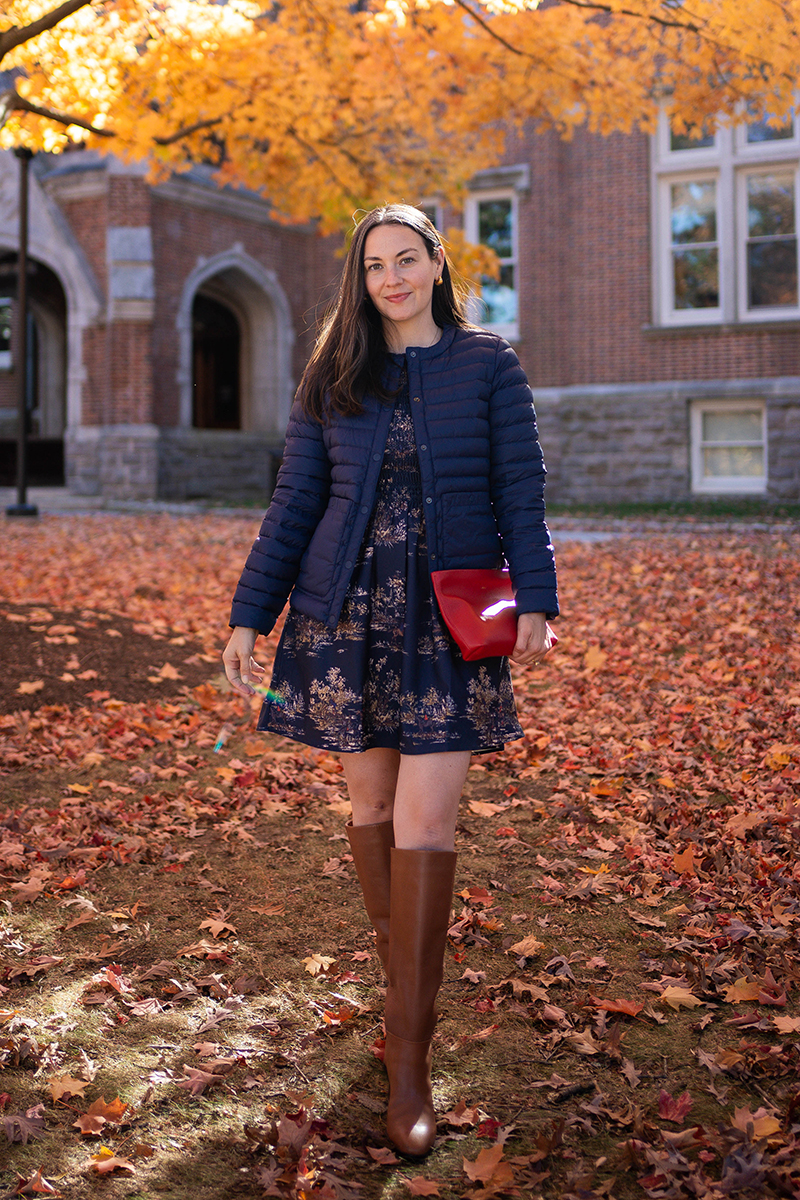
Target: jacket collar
{"type": "Point", "coordinates": [428, 352]}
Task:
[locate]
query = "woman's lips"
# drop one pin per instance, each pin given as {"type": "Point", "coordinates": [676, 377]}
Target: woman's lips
{"type": "Point", "coordinates": [398, 298]}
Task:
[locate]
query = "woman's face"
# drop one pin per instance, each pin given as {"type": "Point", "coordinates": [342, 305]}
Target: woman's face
{"type": "Point", "coordinates": [400, 272]}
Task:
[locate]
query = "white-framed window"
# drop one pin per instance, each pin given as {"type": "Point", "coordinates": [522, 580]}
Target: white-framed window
{"type": "Point", "coordinates": [5, 334]}
{"type": "Point", "coordinates": [492, 219]}
{"type": "Point", "coordinates": [768, 248]}
{"type": "Point", "coordinates": [725, 215]}
{"type": "Point", "coordinates": [691, 243]}
{"type": "Point", "coordinates": [433, 210]}
{"type": "Point", "coordinates": [729, 446]}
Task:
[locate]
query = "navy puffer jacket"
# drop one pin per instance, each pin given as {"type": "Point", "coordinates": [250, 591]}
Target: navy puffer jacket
{"type": "Point", "coordinates": [482, 482]}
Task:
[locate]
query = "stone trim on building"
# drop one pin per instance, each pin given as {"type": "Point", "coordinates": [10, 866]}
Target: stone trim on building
{"type": "Point", "coordinates": [254, 292]}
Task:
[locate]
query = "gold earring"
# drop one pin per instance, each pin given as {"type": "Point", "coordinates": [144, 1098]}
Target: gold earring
{"type": "Point", "coordinates": [439, 281]}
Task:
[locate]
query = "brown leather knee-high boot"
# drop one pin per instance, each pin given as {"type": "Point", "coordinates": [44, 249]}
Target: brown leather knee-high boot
{"type": "Point", "coordinates": [422, 892]}
{"type": "Point", "coordinates": [371, 846]}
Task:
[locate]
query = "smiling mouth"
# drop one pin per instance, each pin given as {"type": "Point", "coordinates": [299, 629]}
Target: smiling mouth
{"type": "Point", "coordinates": [399, 296]}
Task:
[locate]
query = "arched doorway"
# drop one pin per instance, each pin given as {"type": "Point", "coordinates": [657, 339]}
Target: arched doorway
{"type": "Point", "coordinates": [216, 356]}
{"type": "Point", "coordinates": [252, 294]}
{"type": "Point", "coordinates": [46, 373]}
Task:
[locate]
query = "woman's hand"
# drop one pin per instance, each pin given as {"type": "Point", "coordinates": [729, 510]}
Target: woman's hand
{"type": "Point", "coordinates": [240, 666]}
{"type": "Point", "coordinates": [533, 641]}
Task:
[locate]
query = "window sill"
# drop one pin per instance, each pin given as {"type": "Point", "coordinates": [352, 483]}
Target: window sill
{"type": "Point", "coordinates": [785, 324]}
{"type": "Point", "coordinates": [731, 488]}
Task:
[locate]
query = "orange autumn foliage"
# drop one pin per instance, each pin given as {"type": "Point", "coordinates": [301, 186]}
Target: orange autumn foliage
{"type": "Point", "coordinates": [328, 107]}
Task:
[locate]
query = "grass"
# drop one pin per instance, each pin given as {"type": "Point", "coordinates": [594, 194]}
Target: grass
{"type": "Point", "coordinates": [716, 508]}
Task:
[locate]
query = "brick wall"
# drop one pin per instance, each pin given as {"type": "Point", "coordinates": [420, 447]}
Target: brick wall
{"type": "Point", "coordinates": [585, 304]}
{"type": "Point", "coordinates": [182, 235]}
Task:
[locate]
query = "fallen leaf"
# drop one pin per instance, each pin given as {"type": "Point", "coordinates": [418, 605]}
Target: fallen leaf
{"type": "Point", "coordinates": [63, 1085]}
{"type": "Point", "coordinates": [382, 1155]}
{"type": "Point", "coordinates": [195, 1081]}
{"type": "Point", "coordinates": [34, 1185]}
{"type": "Point", "coordinates": [629, 1007]}
{"type": "Point", "coordinates": [684, 863]}
{"type": "Point", "coordinates": [105, 1164]}
{"type": "Point", "coordinates": [741, 989]}
{"type": "Point", "coordinates": [89, 1125]}
{"type": "Point", "coordinates": [21, 1127]}
{"type": "Point", "coordinates": [787, 1024]}
{"type": "Point", "coordinates": [318, 964]}
{"type": "Point", "coordinates": [764, 1123]}
{"type": "Point", "coordinates": [420, 1186]}
{"type": "Point", "coordinates": [28, 688]}
{"type": "Point", "coordinates": [594, 659]}
{"type": "Point", "coordinates": [676, 1110]}
{"type": "Point", "coordinates": [489, 1167]}
{"type": "Point", "coordinates": [217, 926]}
{"type": "Point", "coordinates": [678, 997]}
{"type": "Point", "coordinates": [529, 947]}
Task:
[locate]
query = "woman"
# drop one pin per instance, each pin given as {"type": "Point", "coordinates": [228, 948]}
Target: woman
{"type": "Point", "coordinates": [411, 447]}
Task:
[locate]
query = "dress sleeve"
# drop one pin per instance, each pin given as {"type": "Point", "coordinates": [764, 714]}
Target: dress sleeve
{"type": "Point", "coordinates": [517, 481]}
{"type": "Point", "coordinates": [298, 503]}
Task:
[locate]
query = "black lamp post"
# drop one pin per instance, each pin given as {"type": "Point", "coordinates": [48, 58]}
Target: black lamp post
{"type": "Point", "coordinates": [22, 508]}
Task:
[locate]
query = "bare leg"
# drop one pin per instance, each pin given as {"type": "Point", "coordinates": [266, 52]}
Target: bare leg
{"type": "Point", "coordinates": [371, 783]}
{"type": "Point", "coordinates": [428, 792]}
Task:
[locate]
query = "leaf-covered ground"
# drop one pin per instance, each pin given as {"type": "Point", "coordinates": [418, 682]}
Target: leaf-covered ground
{"type": "Point", "coordinates": [189, 998]}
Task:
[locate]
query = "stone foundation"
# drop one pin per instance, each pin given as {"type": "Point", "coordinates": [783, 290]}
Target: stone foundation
{"type": "Point", "coordinates": [196, 464]}
{"type": "Point", "coordinates": [143, 462]}
{"type": "Point", "coordinates": [632, 443]}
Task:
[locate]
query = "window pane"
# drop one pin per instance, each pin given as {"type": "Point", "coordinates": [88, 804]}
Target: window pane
{"type": "Point", "coordinates": [772, 273]}
{"type": "Point", "coordinates": [430, 212]}
{"type": "Point", "coordinates": [495, 226]}
{"type": "Point", "coordinates": [760, 131]}
{"type": "Point", "coordinates": [693, 139]}
{"type": "Point", "coordinates": [733, 426]}
{"type": "Point", "coordinates": [499, 299]}
{"type": "Point", "coordinates": [747, 461]}
{"type": "Point", "coordinates": [694, 212]}
{"type": "Point", "coordinates": [770, 203]}
{"type": "Point", "coordinates": [5, 325]}
{"type": "Point", "coordinates": [696, 279]}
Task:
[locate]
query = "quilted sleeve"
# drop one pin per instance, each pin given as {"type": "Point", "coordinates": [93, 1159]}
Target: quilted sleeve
{"type": "Point", "coordinates": [298, 503]}
{"type": "Point", "coordinates": [517, 482]}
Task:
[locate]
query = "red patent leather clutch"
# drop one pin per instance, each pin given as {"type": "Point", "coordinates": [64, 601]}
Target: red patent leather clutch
{"type": "Point", "coordinates": [478, 608]}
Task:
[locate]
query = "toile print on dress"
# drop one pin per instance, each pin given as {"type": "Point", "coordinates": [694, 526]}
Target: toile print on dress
{"type": "Point", "coordinates": [389, 674]}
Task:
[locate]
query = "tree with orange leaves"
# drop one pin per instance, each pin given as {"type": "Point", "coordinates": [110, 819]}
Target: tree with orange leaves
{"type": "Point", "coordinates": [329, 104]}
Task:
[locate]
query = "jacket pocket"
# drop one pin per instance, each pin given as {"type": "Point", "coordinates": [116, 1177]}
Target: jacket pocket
{"type": "Point", "coordinates": [469, 526]}
{"type": "Point", "coordinates": [318, 566]}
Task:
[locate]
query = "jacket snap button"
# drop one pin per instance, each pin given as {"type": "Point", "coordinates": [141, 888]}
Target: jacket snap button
{"type": "Point", "coordinates": [428, 500]}
{"type": "Point", "coordinates": [348, 564]}
{"type": "Point", "coordinates": [364, 508]}
{"type": "Point", "coordinates": [423, 447]}
{"type": "Point", "coordinates": [412, 354]}
{"type": "Point", "coordinates": [376, 458]}
{"type": "Point", "coordinates": [416, 399]}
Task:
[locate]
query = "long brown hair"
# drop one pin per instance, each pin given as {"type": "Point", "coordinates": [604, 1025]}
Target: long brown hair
{"type": "Point", "coordinates": [350, 355]}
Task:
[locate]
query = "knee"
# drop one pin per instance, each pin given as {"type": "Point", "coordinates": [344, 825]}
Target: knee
{"type": "Point", "coordinates": [429, 835]}
{"type": "Point", "coordinates": [373, 811]}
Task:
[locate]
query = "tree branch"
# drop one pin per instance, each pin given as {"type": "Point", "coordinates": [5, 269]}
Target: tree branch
{"type": "Point", "coordinates": [170, 139]}
{"type": "Point", "coordinates": [593, 6]}
{"type": "Point", "coordinates": [17, 35]}
{"type": "Point", "coordinates": [11, 101]}
{"type": "Point", "coordinates": [484, 24]}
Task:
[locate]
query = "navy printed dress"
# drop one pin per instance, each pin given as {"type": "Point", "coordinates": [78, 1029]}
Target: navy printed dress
{"type": "Point", "coordinates": [389, 674]}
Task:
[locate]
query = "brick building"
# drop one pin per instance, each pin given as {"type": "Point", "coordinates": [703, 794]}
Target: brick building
{"type": "Point", "coordinates": [168, 326]}
{"type": "Point", "coordinates": [650, 286]}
